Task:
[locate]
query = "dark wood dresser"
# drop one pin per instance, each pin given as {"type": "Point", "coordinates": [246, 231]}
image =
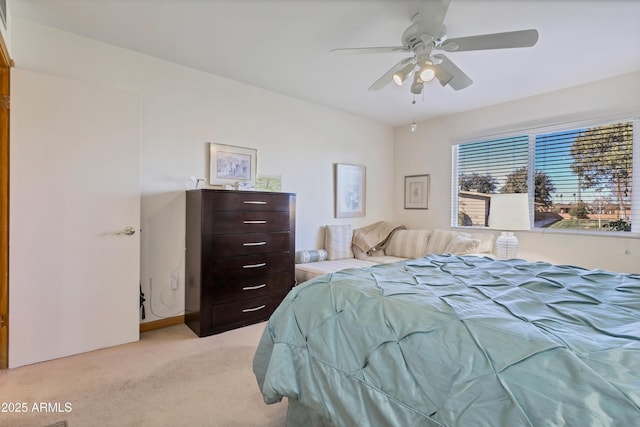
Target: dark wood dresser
{"type": "Point", "coordinates": [239, 257]}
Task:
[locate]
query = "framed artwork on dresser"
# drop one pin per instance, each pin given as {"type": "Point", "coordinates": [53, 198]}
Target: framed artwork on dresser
{"type": "Point", "coordinates": [229, 164]}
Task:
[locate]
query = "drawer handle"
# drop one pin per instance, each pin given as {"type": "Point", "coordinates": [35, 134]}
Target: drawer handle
{"type": "Point", "coordinates": [254, 202]}
{"type": "Point", "coordinates": [262, 264]}
{"type": "Point", "coordinates": [251, 288]}
{"type": "Point", "coordinates": [255, 222]}
{"type": "Point", "coordinates": [249, 310]}
{"type": "Point", "coordinates": [254, 244]}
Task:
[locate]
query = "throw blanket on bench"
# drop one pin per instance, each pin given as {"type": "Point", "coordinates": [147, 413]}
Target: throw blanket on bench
{"type": "Point", "coordinates": [375, 236]}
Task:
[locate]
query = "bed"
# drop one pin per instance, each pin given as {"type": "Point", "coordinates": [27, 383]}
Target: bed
{"type": "Point", "coordinates": [456, 341]}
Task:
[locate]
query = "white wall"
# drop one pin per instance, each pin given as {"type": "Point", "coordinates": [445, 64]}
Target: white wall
{"type": "Point", "coordinates": [181, 110]}
{"type": "Point", "coordinates": [428, 151]}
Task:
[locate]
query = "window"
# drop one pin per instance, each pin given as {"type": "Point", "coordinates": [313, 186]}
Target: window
{"type": "Point", "coordinates": [578, 178]}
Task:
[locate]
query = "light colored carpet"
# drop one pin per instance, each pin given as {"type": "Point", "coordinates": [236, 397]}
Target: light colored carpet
{"type": "Point", "coordinates": [169, 378]}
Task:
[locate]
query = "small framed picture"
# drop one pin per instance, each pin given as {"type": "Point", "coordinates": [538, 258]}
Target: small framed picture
{"type": "Point", "coordinates": [229, 165]}
{"type": "Point", "coordinates": [350, 187]}
{"type": "Point", "coordinates": [416, 191]}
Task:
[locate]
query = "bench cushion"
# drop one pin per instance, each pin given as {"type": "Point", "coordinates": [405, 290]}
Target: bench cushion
{"type": "Point", "coordinates": [310, 270]}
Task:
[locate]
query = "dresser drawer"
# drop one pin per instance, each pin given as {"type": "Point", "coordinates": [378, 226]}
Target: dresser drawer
{"type": "Point", "coordinates": [224, 222]}
{"type": "Point", "coordinates": [250, 265]}
{"type": "Point", "coordinates": [224, 245]}
{"type": "Point", "coordinates": [244, 312]}
{"type": "Point", "coordinates": [249, 201]}
{"type": "Point", "coordinates": [251, 287]}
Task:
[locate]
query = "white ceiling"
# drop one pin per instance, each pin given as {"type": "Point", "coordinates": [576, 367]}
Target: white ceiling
{"type": "Point", "coordinates": [283, 45]}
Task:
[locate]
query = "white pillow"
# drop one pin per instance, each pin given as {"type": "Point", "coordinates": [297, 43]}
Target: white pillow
{"type": "Point", "coordinates": [461, 245]}
{"type": "Point", "coordinates": [487, 241]}
{"type": "Point", "coordinates": [408, 243]}
{"type": "Point", "coordinates": [337, 241]}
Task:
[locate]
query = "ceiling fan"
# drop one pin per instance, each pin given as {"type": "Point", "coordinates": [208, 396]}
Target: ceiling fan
{"type": "Point", "coordinates": [424, 37]}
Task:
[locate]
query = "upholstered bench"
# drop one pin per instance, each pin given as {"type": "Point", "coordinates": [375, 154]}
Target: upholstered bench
{"type": "Point", "coordinates": [341, 253]}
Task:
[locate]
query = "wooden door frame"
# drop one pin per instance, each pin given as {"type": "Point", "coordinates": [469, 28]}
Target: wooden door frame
{"type": "Point", "coordinates": [5, 64]}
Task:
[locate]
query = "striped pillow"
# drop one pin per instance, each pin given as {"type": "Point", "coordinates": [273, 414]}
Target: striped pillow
{"type": "Point", "coordinates": [439, 240]}
{"type": "Point", "coordinates": [408, 243]}
{"type": "Point", "coordinates": [310, 255]}
{"type": "Point", "coordinates": [337, 241]}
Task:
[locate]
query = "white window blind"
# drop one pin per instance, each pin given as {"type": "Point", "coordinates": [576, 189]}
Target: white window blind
{"type": "Point", "coordinates": [484, 168]}
{"type": "Point", "coordinates": [580, 178]}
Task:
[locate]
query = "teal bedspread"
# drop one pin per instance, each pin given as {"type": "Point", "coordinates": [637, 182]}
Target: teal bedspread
{"type": "Point", "coordinates": [457, 341]}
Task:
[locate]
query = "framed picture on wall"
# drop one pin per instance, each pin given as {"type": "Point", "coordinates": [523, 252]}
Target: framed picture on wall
{"type": "Point", "coordinates": [350, 189]}
{"type": "Point", "coordinates": [229, 164]}
{"type": "Point", "coordinates": [416, 191]}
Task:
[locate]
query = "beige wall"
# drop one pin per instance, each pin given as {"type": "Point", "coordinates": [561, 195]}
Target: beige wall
{"type": "Point", "coordinates": [428, 151]}
{"type": "Point", "coordinates": [182, 109]}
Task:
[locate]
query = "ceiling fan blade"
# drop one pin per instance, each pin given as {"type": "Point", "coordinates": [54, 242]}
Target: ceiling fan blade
{"type": "Point", "coordinates": [359, 50]}
{"type": "Point", "coordinates": [431, 16]}
{"type": "Point", "coordinates": [448, 73]}
{"type": "Point", "coordinates": [388, 76]}
{"type": "Point", "coordinates": [523, 38]}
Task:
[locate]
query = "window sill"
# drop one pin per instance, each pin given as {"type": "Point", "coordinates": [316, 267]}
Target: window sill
{"type": "Point", "coordinates": [557, 231]}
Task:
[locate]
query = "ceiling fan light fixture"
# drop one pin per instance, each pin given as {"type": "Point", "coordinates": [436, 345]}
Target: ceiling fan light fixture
{"type": "Point", "coordinates": [427, 74]}
{"type": "Point", "coordinates": [427, 71]}
{"type": "Point", "coordinates": [401, 76]}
